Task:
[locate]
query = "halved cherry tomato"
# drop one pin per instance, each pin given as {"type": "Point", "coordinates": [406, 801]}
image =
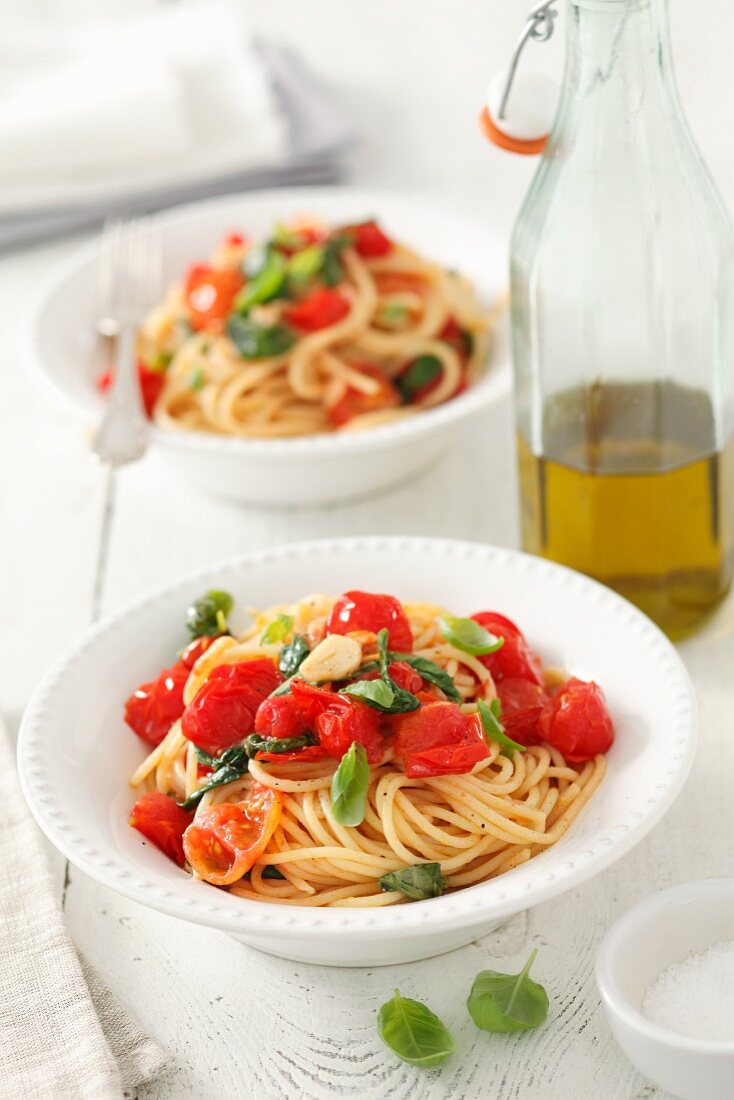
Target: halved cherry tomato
{"type": "Point", "coordinates": [194, 650]}
{"type": "Point", "coordinates": [319, 309]}
{"type": "Point", "coordinates": [403, 675]}
{"type": "Point", "coordinates": [309, 755]}
{"type": "Point", "coordinates": [522, 705]}
{"type": "Point", "coordinates": [209, 296]}
{"type": "Point", "coordinates": [515, 659]}
{"type": "Point", "coordinates": [224, 841]}
{"type": "Point", "coordinates": [369, 240]}
{"type": "Point", "coordinates": [372, 611]}
{"type": "Point", "coordinates": [152, 708]}
{"type": "Point", "coordinates": [162, 821]}
{"type": "Point", "coordinates": [223, 710]}
{"type": "Point", "coordinates": [281, 717]}
{"type": "Point", "coordinates": [151, 384]}
{"type": "Point", "coordinates": [576, 721]}
{"type": "Point", "coordinates": [355, 403]}
{"type": "Point", "coordinates": [438, 739]}
{"type": "Point", "coordinates": [338, 720]}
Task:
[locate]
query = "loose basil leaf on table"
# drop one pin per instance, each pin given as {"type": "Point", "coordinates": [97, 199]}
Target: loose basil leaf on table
{"type": "Point", "coordinates": [422, 880]}
{"type": "Point", "coordinates": [254, 744]}
{"type": "Point", "coordinates": [424, 369]}
{"type": "Point", "coordinates": [507, 1002]}
{"type": "Point", "coordinates": [468, 636]}
{"type": "Point", "coordinates": [292, 657]}
{"type": "Point", "coordinates": [493, 728]}
{"type": "Point", "coordinates": [229, 766]}
{"type": "Point", "coordinates": [414, 1033]}
{"type": "Point", "coordinates": [255, 341]}
{"type": "Point", "coordinates": [349, 786]}
{"type": "Point", "coordinates": [430, 672]}
{"type": "Point", "coordinates": [278, 630]}
{"type": "Point", "coordinates": [207, 616]}
{"type": "Point", "coordinates": [376, 693]}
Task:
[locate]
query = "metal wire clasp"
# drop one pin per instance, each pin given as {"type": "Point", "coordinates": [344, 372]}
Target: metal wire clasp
{"type": "Point", "coordinates": [540, 25]}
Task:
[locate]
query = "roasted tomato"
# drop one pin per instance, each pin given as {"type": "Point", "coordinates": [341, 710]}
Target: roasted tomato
{"type": "Point", "coordinates": [162, 822]}
{"type": "Point", "coordinates": [338, 720]}
{"type": "Point", "coordinates": [370, 611]}
{"type": "Point", "coordinates": [153, 708]}
{"type": "Point", "coordinates": [209, 296]}
{"type": "Point", "coordinates": [355, 403]}
{"type": "Point", "coordinates": [281, 717]}
{"type": "Point", "coordinates": [224, 841]}
{"type": "Point", "coordinates": [223, 710]}
{"type": "Point", "coordinates": [576, 721]}
{"type": "Point", "coordinates": [319, 309]}
{"type": "Point", "coordinates": [515, 659]}
{"type": "Point", "coordinates": [194, 650]}
{"type": "Point", "coordinates": [369, 240]}
{"type": "Point", "coordinates": [460, 341]}
{"type": "Point", "coordinates": [403, 675]}
{"type": "Point", "coordinates": [151, 384]}
{"type": "Point", "coordinates": [522, 705]}
{"type": "Point", "coordinates": [438, 739]}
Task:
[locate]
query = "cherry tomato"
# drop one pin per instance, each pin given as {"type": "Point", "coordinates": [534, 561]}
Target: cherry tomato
{"type": "Point", "coordinates": [369, 240]}
{"type": "Point", "coordinates": [515, 659]}
{"type": "Point", "coordinates": [438, 739]}
{"type": "Point", "coordinates": [224, 841]}
{"type": "Point", "coordinates": [399, 282]}
{"type": "Point", "coordinates": [522, 705]}
{"type": "Point", "coordinates": [576, 721]}
{"type": "Point", "coordinates": [371, 611]}
{"type": "Point", "coordinates": [355, 403]}
{"type": "Point", "coordinates": [151, 384]}
{"type": "Point", "coordinates": [338, 720]}
{"type": "Point", "coordinates": [162, 822]}
{"type": "Point", "coordinates": [319, 309]}
{"type": "Point", "coordinates": [403, 675]}
{"type": "Point", "coordinates": [309, 755]}
{"type": "Point", "coordinates": [209, 296]}
{"type": "Point", "coordinates": [153, 708]}
{"type": "Point", "coordinates": [223, 711]}
{"type": "Point", "coordinates": [194, 650]}
{"type": "Point", "coordinates": [453, 334]}
{"type": "Point", "coordinates": [235, 239]}
{"type": "Point", "coordinates": [281, 717]}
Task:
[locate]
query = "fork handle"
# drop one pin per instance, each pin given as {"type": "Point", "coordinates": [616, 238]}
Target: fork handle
{"type": "Point", "coordinates": [126, 390]}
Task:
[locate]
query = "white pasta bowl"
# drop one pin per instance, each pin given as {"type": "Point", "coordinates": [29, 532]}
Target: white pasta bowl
{"type": "Point", "coordinates": [59, 346]}
{"type": "Point", "coordinates": [75, 752]}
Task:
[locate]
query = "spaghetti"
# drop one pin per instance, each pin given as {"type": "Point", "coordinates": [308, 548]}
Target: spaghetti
{"type": "Point", "coordinates": [316, 330]}
{"type": "Point", "coordinates": [447, 791]}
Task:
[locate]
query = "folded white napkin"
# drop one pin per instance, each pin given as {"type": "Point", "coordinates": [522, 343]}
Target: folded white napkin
{"type": "Point", "coordinates": [147, 98]}
{"type": "Point", "coordinates": [62, 1032]}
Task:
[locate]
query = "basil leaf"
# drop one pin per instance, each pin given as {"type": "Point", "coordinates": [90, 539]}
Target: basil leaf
{"type": "Point", "coordinates": [283, 237]}
{"type": "Point", "coordinates": [306, 263]}
{"type": "Point", "coordinates": [207, 616]}
{"type": "Point", "coordinates": [278, 630]}
{"type": "Point", "coordinates": [493, 729]}
{"type": "Point", "coordinates": [507, 1002]}
{"type": "Point", "coordinates": [332, 270]}
{"type": "Point", "coordinates": [468, 636]}
{"type": "Point", "coordinates": [293, 655]}
{"type": "Point", "coordinates": [393, 315]}
{"type": "Point", "coordinates": [229, 766]}
{"type": "Point", "coordinates": [271, 871]}
{"type": "Point", "coordinates": [349, 786]}
{"type": "Point", "coordinates": [418, 374]}
{"type": "Point", "coordinates": [422, 880]}
{"type": "Point", "coordinates": [431, 672]}
{"type": "Point", "coordinates": [256, 261]}
{"type": "Point", "coordinates": [196, 379]}
{"type": "Point", "coordinates": [414, 1033]}
{"type": "Point", "coordinates": [265, 285]}
{"type": "Point", "coordinates": [255, 743]}
{"type": "Point", "coordinates": [376, 693]}
{"type": "Point", "coordinates": [254, 341]}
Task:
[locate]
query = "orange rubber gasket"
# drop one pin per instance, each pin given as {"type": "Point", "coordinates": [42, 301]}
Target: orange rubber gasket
{"type": "Point", "coordinates": [513, 145]}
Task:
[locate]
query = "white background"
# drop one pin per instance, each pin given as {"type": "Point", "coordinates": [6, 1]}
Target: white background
{"type": "Point", "coordinates": [411, 73]}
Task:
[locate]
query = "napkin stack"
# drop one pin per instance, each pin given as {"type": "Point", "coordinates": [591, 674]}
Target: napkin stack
{"type": "Point", "coordinates": [63, 1034]}
{"type": "Point", "coordinates": [134, 112]}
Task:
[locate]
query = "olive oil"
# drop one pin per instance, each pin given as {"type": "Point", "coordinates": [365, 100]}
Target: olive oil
{"type": "Point", "coordinates": [631, 489]}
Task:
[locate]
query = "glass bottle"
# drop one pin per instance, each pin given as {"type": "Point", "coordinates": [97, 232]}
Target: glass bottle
{"type": "Point", "coordinates": [622, 295]}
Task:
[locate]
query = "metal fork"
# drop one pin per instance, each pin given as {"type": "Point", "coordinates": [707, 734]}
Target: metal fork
{"type": "Point", "coordinates": [129, 280]}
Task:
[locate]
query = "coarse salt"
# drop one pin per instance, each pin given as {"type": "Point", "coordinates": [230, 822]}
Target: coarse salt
{"type": "Point", "coordinates": [696, 997]}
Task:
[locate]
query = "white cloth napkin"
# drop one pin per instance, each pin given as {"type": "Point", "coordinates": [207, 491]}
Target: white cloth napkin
{"type": "Point", "coordinates": [63, 1034]}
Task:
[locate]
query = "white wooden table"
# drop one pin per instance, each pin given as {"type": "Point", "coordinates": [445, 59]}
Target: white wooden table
{"type": "Point", "coordinates": [76, 542]}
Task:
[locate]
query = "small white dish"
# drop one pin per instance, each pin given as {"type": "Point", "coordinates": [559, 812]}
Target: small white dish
{"type": "Point", "coordinates": [76, 753]}
{"type": "Point", "coordinates": [659, 932]}
{"type": "Point", "coordinates": [59, 349]}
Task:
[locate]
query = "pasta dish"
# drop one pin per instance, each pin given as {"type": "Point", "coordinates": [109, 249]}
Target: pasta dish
{"type": "Point", "coordinates": [360, 751]}
{"type": "Point", "coordinates": [313, 330]}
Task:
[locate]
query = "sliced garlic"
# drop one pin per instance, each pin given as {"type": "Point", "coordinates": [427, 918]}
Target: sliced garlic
{"type": "Point", "coordinates": [336, 658]}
